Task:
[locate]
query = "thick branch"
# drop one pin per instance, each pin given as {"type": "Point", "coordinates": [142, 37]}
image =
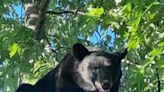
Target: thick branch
{"type": "Point", "coordinates": [40, 26]}
{"type": "Point", "coordinates": [35, 15]}
{"type": "Point", "coordinates": [66, 12]}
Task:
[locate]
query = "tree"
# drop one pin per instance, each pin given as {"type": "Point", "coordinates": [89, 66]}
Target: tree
{"type": "Point", "coordinates": [33, 45]}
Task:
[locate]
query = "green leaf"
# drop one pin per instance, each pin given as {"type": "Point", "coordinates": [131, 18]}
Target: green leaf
{"type": "Point", "coordinates": [161, 44]}
{"type": "Point", "coordinates": [155, 52]}
{"type": "Point", "coordinates": [95, 12]}
{"type": "Point", "coordinates": [127, 10]}
{"type": "Point", "coordinates": [134, 26]}
{"type": "Point", "coordinates": [13, 49]}
{"type": "Point", "coordinates": [134, 42]}
{"type": "Point", "coordinates": [134, 39]}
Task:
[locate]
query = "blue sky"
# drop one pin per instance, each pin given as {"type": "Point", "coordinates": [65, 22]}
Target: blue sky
{"type": "Point", "coordinates": [19, 12]}
{"type": "Point", "coordinates": [102, 32]}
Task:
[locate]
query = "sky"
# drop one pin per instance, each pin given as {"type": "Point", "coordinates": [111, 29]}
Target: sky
{"type": "Point", "coordinates": [101, 31]}
{"type": "Point", "coordinates": [18, 12]}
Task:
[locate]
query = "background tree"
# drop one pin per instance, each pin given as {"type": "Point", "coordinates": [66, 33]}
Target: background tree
{"type": "Point", "coordinates": [34, 40]}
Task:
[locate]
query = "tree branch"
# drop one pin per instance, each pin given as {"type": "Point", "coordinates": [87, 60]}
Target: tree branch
{"type": "Point", "coordinates": [66, 12]}
{"type": "Point", "coordinates": [56, 49]}
{"type": "Point", "coordinates": [40, 26]}
{"type": "Point", "coordinates": [35, 16]}
{"type": "Point", "coordinates": [158, 81]}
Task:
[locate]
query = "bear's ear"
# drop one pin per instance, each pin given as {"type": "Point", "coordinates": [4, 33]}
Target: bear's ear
{"type": "Point", "coordinates": [80, 51]}
{"type": "Point", "coordinates": [123, 54]}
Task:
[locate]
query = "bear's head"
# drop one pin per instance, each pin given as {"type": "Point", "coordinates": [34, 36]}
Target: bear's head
{"type": "Point", "coordinates": [96, 70]}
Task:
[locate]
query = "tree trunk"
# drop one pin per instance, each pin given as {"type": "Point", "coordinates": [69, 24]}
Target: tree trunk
{"type": "Point", "coordinates": [35, 15]}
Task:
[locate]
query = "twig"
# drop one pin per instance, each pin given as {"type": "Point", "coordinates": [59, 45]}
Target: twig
{"type": "Point", "coordinates": [102, 41]}
{"type": "Point", "coordinates": [56, 49]}
{"type": "Point", "coordinates": [158, 81]}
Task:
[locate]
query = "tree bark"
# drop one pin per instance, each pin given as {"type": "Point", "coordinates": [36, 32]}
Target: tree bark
{"type": "Point", "coordinates": [35, 16]}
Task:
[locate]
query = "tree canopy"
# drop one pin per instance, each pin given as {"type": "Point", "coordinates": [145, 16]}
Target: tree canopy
{"type": "Point", "coordinates": [36, 34]}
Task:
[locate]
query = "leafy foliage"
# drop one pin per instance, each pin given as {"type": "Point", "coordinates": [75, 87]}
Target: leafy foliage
{"type": "Point", "coordinates": [136, 24]}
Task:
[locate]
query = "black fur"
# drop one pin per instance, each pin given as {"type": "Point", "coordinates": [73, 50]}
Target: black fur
{"type": "Point", "coordinates": [82, 70]}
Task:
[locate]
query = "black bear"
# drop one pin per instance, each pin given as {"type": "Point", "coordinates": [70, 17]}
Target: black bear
{"type": "Point", "coordinates": [82, 70]}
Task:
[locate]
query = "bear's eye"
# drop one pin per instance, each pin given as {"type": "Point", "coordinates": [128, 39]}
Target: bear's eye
{"type": "Point", "coordinates": [96, 67]}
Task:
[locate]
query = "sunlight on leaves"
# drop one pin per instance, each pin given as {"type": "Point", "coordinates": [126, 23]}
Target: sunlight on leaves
{"type": "Point", "coordinates": [155, 52]}
{"type": "Point", "coordinates": [95, 12]}
{"type": "Point", "coordinates": [14, 48]}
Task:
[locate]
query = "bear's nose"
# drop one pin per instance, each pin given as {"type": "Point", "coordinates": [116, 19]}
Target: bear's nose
{"type": "Point", "coordinates": [106, 85]}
